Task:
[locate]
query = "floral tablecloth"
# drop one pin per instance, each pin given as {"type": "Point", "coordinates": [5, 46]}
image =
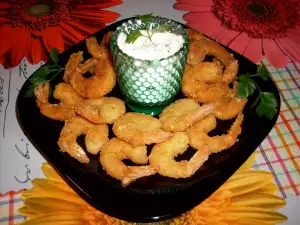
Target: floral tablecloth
{"type": "Point", "coordinates": [24, 33]}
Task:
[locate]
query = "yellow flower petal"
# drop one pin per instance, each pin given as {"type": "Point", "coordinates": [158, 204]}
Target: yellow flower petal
{"type": "Point", "coordinates": [25, 211]}
{"type": "Point", "coordinates": [250, 181]}
{"type": "Point", "coordinates": [248, 213]}
{"type": "Point", "coordinates": [56, 219]}
{"type": "Point", "coordinates": [50, 173]}
{"type": "Point", "coordinates": [258, 200]}
{"type": "Point", "coordinates": [46, 205]}
{"type": "Point", "coordinates": [269, 189]}
{"type": "Point", "coordinates": [249, 222]}
{"type": "Point", "coordinates": [248, 164]}
{"type": "Point", "coordinates": [250, 173]}
{"type": "Point", "coordinates": [52, 188]}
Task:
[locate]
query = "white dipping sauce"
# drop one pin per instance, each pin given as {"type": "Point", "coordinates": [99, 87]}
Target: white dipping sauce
{"type": "Point", "coordinates": [162, 45]}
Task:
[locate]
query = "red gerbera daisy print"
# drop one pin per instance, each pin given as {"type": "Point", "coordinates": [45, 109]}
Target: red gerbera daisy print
{"type": "Point", "coordinates": [30, 28]}
{"type": "Point", "coordinates": [254, 28]}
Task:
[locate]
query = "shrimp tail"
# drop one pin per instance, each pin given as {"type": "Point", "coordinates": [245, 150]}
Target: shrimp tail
{"type": "Point", "coordinates": [236, 128]}
{"type": "Point", "coordinates": [136, 172]}
{"type": "Point", "coordinates": [198, 159]}
{"type": "Point", "coordinates": [154, 137]}
{"type": "Point", "coordinates": [74, 61]}
{"type": "Point", "coordinates": [41, 93]}
{"type": "Point", "coordinates": [86, 111]}
{"type": "Point", "coordinates": [230, 72]}
{"type": "Point", "coordinates": [95, 49]}
{"type": "Point", "coordinates": [74, 150]}
{"type": "Point", "coordinates": [204, 111]}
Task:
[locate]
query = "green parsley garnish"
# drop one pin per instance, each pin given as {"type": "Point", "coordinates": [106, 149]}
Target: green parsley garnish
{"type": "Point", "coordinates": [42, 74]}
{"type": "Point", "coordinates": [267, 103]}
{"type": "Point", "coordinates": [134, 35]}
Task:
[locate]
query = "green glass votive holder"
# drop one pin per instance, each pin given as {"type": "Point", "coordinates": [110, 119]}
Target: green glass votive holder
{"type": "Point", "coordinates": [148, 86]}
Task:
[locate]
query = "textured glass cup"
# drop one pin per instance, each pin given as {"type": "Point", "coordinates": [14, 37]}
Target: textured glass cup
{"type": "Point", "coordinates": [149, 85]}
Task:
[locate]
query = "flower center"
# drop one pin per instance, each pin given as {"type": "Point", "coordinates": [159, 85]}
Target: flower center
{"type": "Point", "coordinates": [38, 15]}
{"type": "Point", "coordinates": [256, 8]}
{"type": "Point", "coordinates": [258, 18]}
{"type": "Point", "coordinates": [40, 9]}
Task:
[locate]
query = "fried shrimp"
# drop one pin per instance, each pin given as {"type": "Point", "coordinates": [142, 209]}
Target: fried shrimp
{"type": "Point", "coordinates": [97, 51]}
{"type": "Point", "coordinates": [198, 134]}
{"type": "Point", "coordinates": [63, 92]}
{"type": "Point", "coordinates": [87, 66]}
{"type": "Point", "coordinates": [194, 56]}
{"type": "Point", "coordinates": [194, 35]}
{"type": "Point", "coordinates": [102, 110]}
{"type": "Point", "coordinates": [182, 114]}
{"type": "Point", "coordinates": [140, 129]}
{"type": "Point", "coordinates": [203, 47]}
{"type": "Point", "coordinates": [73, 62]}
{"type": "Point", "coordinates": [67, 141]}
{"type": "Point", "coordinates": [163, 154]}
{"type": "Point", "coordinates": [229, 105]}
{"type": "Point", "coordinates": [100, 84]}
{"type": "Point", "coordinates": [202, 91]}
{"type": "Point", "coordinates": [230, 72]}
{"type": "Point", "coordinates": [209, 72]}
{"type": "Point", "coordinates": [96, 136]}
{"type": "Point", "coordinates": [66, 94]}
{"type": "Point", "coordinates": [106, 39]}
{"type": "Point", "coordinates": [116, 150]}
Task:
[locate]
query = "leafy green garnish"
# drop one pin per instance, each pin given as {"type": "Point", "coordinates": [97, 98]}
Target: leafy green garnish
{"type": "Point", "coordinates": [246, 86]}
{"type": "Point", "coordinates": [42, 74]}
{"type": "Point", "coordinates": [267, 103]}
{"type": "Point", "coordinates": [134, 35]}
{"type": "Point", "coordinates": [144, 18]}
{"type": "Point", "coordinates": [54, 55]}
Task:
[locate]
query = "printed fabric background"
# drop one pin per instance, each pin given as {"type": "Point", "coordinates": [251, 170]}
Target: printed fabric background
{"type": "Point", "coordinates": [33, 27]}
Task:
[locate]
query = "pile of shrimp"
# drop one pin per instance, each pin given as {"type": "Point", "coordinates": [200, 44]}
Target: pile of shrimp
{"type": "Point", "coordinates": [210, 89]}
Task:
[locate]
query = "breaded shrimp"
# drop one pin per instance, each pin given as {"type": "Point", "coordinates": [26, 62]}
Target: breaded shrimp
{"type": "Point", "coordinates": [116, 150]}
{"type": "Point", "coordinates": [202, 91]}
{"type": "Point", "coordinates": [97, 51]}
{"type": "Point", "coordinates": [67, 141]}
{"type": "Point", "coordinates": [73, 62]}
{"type": "Point", "coordinates": [140, 129]}
{"type": "Point", "coordinates": [218, 62]}
{"type": "Point", "coordinates": [106, 39]}
{"type": "Point", "coordinates": [209, 72]}
{"type": "Point", "coordinates": [230, 72]}
{"type": "Point", "coordinates": [198, 134]}
{"type": "Point", "coordinates": [101, 110]}
{"type": "Point", "coordinates": [195, 56]}
{"type": "Point", "coordinates": [182, 114]}
{"type": "Point", "coordinates": [163, 156]}
{"type": "Point", "coordinates": [229, 106]}
{"type": "Point", "coordinates": [202, 47]}
{"type": "Point", "coordinates": [96, 136]}
{"type": "Point", "coordinates": [63, 92]}
{"type": "Point", "coordinates": [194, 34]}
{"type": "Point", "coordinates": [66, 94]}
{"type": "Point", "coordinates": [100, 84]}
{"type": "Point", "coordinates": [87, 66]}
